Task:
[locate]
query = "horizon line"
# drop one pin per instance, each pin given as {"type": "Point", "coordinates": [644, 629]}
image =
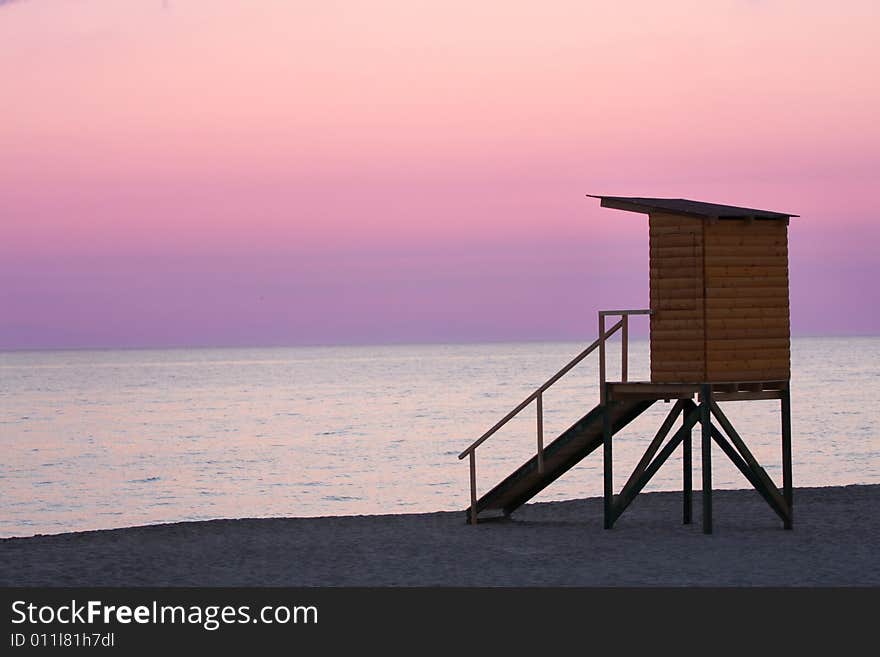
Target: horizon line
{"type": "Point", "coordinates": [401, 343]}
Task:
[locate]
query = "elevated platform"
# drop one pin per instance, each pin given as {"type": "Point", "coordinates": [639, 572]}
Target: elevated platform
{"type": "Point", "coordinates": [721, 390]}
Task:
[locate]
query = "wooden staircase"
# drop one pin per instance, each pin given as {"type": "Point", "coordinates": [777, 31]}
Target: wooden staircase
{"type": "Point", "coordinates": [579, 440]}
{"type": "Point", "coordinates": [573, 445]}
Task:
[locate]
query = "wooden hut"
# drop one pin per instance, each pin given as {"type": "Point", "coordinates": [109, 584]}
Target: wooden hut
{"type": "Point", "coordinates": [719, 290]}
{"type": "Point", "coordinates": [719, 332]}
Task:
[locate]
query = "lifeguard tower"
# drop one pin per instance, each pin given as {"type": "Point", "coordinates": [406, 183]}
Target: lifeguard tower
{"type": "Point", "coordinates": [719, 332]}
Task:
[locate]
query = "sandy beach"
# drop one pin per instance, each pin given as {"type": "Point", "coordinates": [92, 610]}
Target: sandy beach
{"type": "Point", "coordinates": [833, 543]}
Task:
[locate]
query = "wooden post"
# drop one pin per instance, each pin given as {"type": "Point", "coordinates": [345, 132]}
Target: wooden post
{"type": "Point", "coordinates": [706, 426]}
{"type": "Point", "coordinates": [608, 493]}
{"type": "Point", "coordinates": [601, 359]}
{"type": "Point", "coordinates": [624, 354]}
{"type": "Point", "coordinates": [473, 488]}
{"type": "Point", "coordinates": [787, 491]}
{"type": "Point", "coordinates": [687, 475]}
{"type": "Point", "coordinates": [540, 403]}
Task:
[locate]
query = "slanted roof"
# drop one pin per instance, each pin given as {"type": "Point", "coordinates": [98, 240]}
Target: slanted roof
{"type": "Point", "coordinates": [686, 206]}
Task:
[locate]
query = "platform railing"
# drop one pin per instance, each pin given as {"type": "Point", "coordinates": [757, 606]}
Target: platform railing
{"type": "Point", "coordinates": [624, 343]}
{"type": "Point", "coordinates": [537, 396]}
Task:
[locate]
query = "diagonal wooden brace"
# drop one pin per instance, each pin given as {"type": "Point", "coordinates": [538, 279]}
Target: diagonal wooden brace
{"type": "Point", "coordinates": [640, 478]}
{"type": "Point", "coordinates": [655, 444]}
{"type": "Point", "coordinates": [761, 480]}
{"type": "Point", "coordinates": [769, 492]}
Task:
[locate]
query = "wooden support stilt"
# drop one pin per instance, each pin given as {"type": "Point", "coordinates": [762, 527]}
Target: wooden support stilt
{"type": "Point", "coordinates": [706, 448]}
{"type": "Point", "coordinates": [687, 474]}
{"type": "Point", "coordinates": [608, 493]}
{"type": "Point", "coordinates": [787, 491]}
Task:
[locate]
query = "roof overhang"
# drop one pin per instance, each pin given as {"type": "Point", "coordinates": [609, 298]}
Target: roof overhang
{"type": "Point", "coordinates": [687, 207]}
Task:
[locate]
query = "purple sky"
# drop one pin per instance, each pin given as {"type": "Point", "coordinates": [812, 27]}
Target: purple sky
{"type": "Point", "coordinates": [224, 173]}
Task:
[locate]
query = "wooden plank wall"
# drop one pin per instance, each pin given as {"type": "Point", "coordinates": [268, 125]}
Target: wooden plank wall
{"type": "Point", "coordinates": [719, 292]}
{"type": "Point", "coordinates": [678, 349]}
{"type": "Point", "coordinates": [747, 311]}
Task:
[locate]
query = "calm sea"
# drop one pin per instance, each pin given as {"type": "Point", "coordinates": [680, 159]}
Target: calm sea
{"type": "Point", "coordinates": [101, 439]}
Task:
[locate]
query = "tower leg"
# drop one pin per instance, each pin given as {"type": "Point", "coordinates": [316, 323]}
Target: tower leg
{"type": "Point", "coordinates": [787, 491]}
{"type": "Point", "coordinates": [706, 426]}
{"type": "Point", "coordinates": [687, 476]}
{"type": "Point", "coordinates": [607, 465]}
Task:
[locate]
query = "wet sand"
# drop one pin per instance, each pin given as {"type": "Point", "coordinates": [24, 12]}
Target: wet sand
{"type": "Point", "coordinates": [834, 543]}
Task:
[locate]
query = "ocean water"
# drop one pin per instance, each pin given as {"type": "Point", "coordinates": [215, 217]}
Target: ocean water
{"type": "Point", "coordinates": [102, 439]}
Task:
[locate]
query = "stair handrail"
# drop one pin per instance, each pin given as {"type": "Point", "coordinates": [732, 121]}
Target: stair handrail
{"type": "Point", "coordinates": [553, 379]}
{"type": "Point", "coordinates": [598, 343]}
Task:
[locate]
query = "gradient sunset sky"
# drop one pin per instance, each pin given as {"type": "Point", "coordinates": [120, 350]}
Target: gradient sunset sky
{"type": "Point", "coordinates": [209, 172]}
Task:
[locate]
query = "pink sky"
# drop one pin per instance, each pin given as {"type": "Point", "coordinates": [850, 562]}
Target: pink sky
{"type": "Point", "coordinates": [215, 172]}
